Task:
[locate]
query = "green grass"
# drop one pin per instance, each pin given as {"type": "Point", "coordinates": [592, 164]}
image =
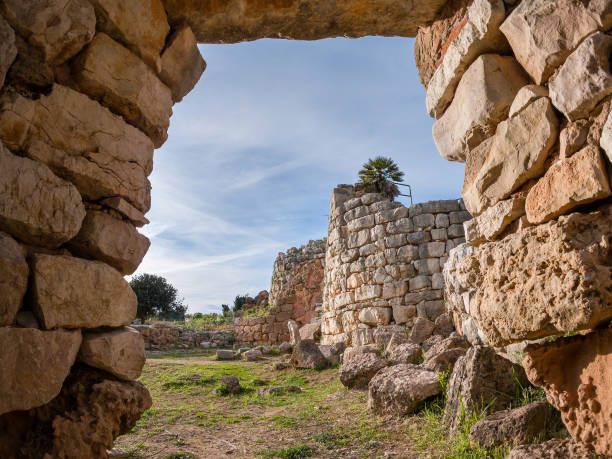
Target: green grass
{"type": "Point", "coordinates": [292, 452]}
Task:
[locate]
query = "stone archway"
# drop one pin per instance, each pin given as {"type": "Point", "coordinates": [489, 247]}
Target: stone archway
{"type": "Point", "coordinates": [521, 91]}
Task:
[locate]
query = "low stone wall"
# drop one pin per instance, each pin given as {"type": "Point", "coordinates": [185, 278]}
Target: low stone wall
{"type": "Point", "coordinates": [295, 294]}
{"type": "Point", "coordinates": [158, 336]}
{"type": "Point", "coordinates": [384, 263]}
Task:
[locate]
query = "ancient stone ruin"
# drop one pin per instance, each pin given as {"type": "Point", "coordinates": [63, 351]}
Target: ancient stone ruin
{"type": "Point", "coordinates": [521, 92]}
{"type": "Point", "coordinates": [296, 293]}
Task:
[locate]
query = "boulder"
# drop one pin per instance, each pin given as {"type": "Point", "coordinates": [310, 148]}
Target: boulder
{"type": "Point", "coordinates": [482, 99]}
{"type": "Point", "coordinates": [92, 409]}
{"type": "Point", "coordinates": [232, 383]}
{"type": "Point", "coordinates": [34, 365]}
{"type": "Point", "coordinates": [278, 390]}
{"type": "Point", "coordinates": [557, 448]}
{"type": "Point", "coordinates": [74, 293]}
{"type": "Point", "coordinates": [517, 154]}
{"type": "Point", "coordinates": [311, 331]}
{"type": "Point", "coordinates": [334, 353]}
{"type": "Point", "coordinates": [576, 373]}
{"type": "Point", "coordinates": [306, 354]}
{"type": "Point", "coordinates": [480, 35]}
{"type": "Point", "coordinates": [279, 366]}
{"type": "Point", "coordinates": [401, 389]}
{"type": "Point", "coordinates": [421, 330]}
{"type": "Point", "coordinates": [493, 221]}
{"type": "Point", "coordinates": [480, 379]}
{"type": "Point", "coordinates": [253, 355]}
{"type": "Point", "coordinates": [143, 27]}
{"type": "Point", "coordinates": [13, 279]}
{"type": "Point", "coordinates": [405, 353]}
{"type": "Point", "coordinates": [120, 352]}
{"type": "Point", "coordinates": [80, 141]}
{"type": "Point", "coordinates": [569, 183]}
{"type": "Point", "coordinates": [357, 373]}
{"type": "Point", "coordinates": [544, 280]}
{"type": "Point", "coordinates": [8, 49]}
{"type": "Point", "coordinates": [285, 347]}
{"type": "Point", "coordinates": [57, 28]}
{"type": "Point", "coordinates": [113, 241]}
{"type": "Point", "coordinates": [354, 351]}
{"type": "Point", "coordinates": [226, 354]}
{"type": "Point", "coordinates": [575, 92]}
{"type": "Point", "coordinates": [444, 325]}
{"type": "Point", "coordinates": [543, 33]}
{"type": "Point", "coordinates": [36, 206]}
{"type": "Point", "coordinates": [182, 64]}
{"type": "Point", "coordinates": [443, 355]}
{"type": "Point", "coordinates": [573, 137]}
{"type": "Point", "coordinates": [519, 426]}
{"type": "Point", "coordinates": [126, 209]}
{"type": "Point", "coordinates": [397, 338]}
{"type": "Point", "coordinates": [525, 96]}
{"type": "Point", "coordinates": [110, 73]}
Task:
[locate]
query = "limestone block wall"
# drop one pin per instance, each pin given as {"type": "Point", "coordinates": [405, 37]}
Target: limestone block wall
{"type": "Point", "coordinates": [296, 293]}
{"type": "Point", "coordinates": [383, 265]}
{"type": "Point", "coordinates": [158, 336]}
{"type": "Point", "coordinates": [86, 94]}
{"type": "Point", "coordinates": [521, 92]}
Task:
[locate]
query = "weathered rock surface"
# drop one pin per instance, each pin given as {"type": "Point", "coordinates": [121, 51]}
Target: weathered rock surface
{"type": "Point", "coordinates": [482, 99]}
{"type": "Point", "coordinates": [405, 353]}
{"type": "Point", "coordinates": [311, 331]}
{"type": "Point", "coordinates": [334, 353]}
{"type": "Point", "coordinates": [421, 330]}
{"type": "Point", "coordinates": [34, 365]}
{"type": "Point", "coordinates": [92, 410]}
{"type": "Point", "coordinates": [228, 354]}
{"type": "Point", "coordinates": [573, 137]}
{"type": "Point", "coordinates": [357, 372]}
{"type": "Point", "coordinates": [182, 64]}
{"type": "Point", "coordinates": [514, 427]}
{"type": "Point", "coordinates": [232, 383]}
{"type": "Point", "coordinates": [569, 183]}
{"type": "Point", "coordinates": [481, 378]}
{"type": "Point", "coordinates": [493, 221]}
{"type": "Point", "coordinates": [443, 355]}
{"type": "Point", "coordinates": [548, 279]}
{"type": "Point", "coordinates": [401, 389]}
{"type": "Point", "coordinates": [82, 142]}
{"type": "Point", "coordinates": [58, 28]}
{"type": "Point", "coordinates": [525, 96]}
{"type": "Point", "coordinates": [306, 354]}
{"type": "Point", "coordinates": [576, 373]}
{"type": "Point", "coordinates": [543, 33]}
{"type": "Point", "coordinates": [74, 293]}
{"type": "Point", "coordinates": [252, 356]}
{"type": "Point", "coordinates": [110, 73]}
{"type": "Point", "coordinates": [126, 209]}
{"type": "Point", "coordinates": [353, 351]}
{"type": "Point", "coordinates": [13, 279]}
{"type": "Point", "coordinates": [517, 154]}
{"type": "Point", "coordinates": [480, 35]}
{"type": "Point", "coordinates": [142, 27]}
{"type": "Point", "coordinates": [8, 49]}
{"type": "Point", "coordinates": [35, 205]}
{"type": "Point", "coordinates": [552, 449]}
{"type": "Point", "coordinates": [574, 91]}
{"type": "Point", "coordinates": [110, 240]}
{"type": "Point", "coordinates": [234, 21]}
{"type": "Point", "coordinates": [120, 352]}
{"type": "Point", "coordinates": [375, 316]}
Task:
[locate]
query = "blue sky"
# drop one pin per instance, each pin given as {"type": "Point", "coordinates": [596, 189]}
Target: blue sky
{"type": "Point", "coordinates": [256, 148]}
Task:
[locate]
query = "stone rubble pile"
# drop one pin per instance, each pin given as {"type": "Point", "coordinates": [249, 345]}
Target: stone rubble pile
{"type": "Point", "coordinates": [86, 94]}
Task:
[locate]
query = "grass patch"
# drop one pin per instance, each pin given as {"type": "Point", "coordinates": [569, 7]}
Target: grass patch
{"type": "Point", "coordinates": [292, 452]}
{"type": "Point", "coordinates": [180, 456]}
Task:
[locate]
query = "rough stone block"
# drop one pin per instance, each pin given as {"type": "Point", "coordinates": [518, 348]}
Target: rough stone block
{"type": "Point", "coordinates": [112, 74]}
{"type": "Point", "coordinates": [367, 292]}
{"type": "Point", "coordinates": [402, 225]}
{"type": "Point", "coordinates": [518, 154]}
{"type": "Point", "coordinates": [427, 266]}
{"type": "Point", "coordinates": [432, 249]}
{"type": "Point", "coordinates": [394, 289]}
{"type": "Point", "coordinates": [361, 223]}
{"type": "Point", "coordinates": [421, 330]}
{"type": "Point", "coordinates": [74, 293]}
{"type": "Point", "coordinates": [419, 283]}
{"type": "Point", "coordinates": [584, 79]}
{"type": "Point", "coordinates": [8, 49]}
{"type": "Point", "coordinates": [525, 96]}
{"type": "Point", "coordinates": [110, 240]}
{"type": "Point", "coordinates": [59, 29]}
{"type": "Point", "coordinates": [423, 221]}
{"type": "Point", "coordinates": [120, 352]}
{"type": "Point", "coordinates": [126, 209]}
{"type": "Point", "coordinates": [442, 221]}
{"type": "Point", "coordinates": [34, 365]}
{"type": "Point", "coordinates": [543, 33]}
{"type": "Point", "coordinates": [480, 35]}
{"type": "Point", "coordinates": [36, 206]}
{"type": "Point", "coordinates": [375, 316]}
{"type": "Point", "coordinates": [493, 221]}
{"type": "Point", "coordinates": [357, 372]}
{"type": "Point", "coordinates": [439, 234]}
{"type": "Point", "coordinates": [142, 27]}
{"type": "Point", "coordinates": [569, 183]}
{"type": "Point", "coordinates": [482, 100]}
{"type": "Point", "coordinates": [396, 240]}
{"type": "Point", "coordinates": [430, 309]}
{"type": "Point", "coordinates": [419, 237]}
{"type": "Point", "coordinates": [402, 314]}
{"type": "Point", "coordinates": [13, 279]}
{"type": "Point", "coordinates": [80, 141]}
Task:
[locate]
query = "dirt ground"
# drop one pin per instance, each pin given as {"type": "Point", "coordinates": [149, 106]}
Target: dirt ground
{"type": "Point", "coordinates": [190, 419]}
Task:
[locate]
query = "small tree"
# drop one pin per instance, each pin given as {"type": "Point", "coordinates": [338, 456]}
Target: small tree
{"type": "Point", "coordinates": [378, 174]}
{"type": "Point", "coordinates": [239, 301]}
{"type": "Point", "coordinates": [157, 298]}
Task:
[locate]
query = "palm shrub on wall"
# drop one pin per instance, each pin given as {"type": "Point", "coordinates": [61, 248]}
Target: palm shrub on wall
{"type": "Point", "coordinates": [378, 175]}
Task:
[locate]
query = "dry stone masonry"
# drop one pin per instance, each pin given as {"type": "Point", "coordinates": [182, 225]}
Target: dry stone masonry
{"type": "Point", "coordinates": [296, 293]}
{"type": "Point", "coordinates": [383, 265]}
{"type": "Point", "coordinates": [521, 91]}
